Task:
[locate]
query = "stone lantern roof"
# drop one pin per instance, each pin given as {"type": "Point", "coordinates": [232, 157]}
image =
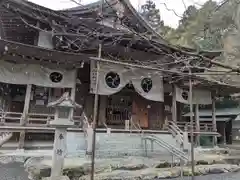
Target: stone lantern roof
{"type": "Point", "coordinates": [64, 101]}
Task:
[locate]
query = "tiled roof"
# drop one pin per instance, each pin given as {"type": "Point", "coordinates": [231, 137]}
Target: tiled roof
{"type": "Point", "coordinates": [219, 112]}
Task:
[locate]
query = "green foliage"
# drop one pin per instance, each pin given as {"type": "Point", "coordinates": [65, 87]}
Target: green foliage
{"type": "Point", "coordinates": [201, 28]}
{"type": "Point", "coordinates": [194, 28]}
{"type": "Point", "coordinates": [205, 27]}
{"type": "Point", "coordinates": [151, 14]}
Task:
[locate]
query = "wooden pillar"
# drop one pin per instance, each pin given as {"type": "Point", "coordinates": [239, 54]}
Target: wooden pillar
{"type": "Point", "coordinates": [102, 110]}
{"type": "Point", "coordinates": [174, 104]}
{"type": "Point", "coordinates": [197, 124]}
{"type": "Point", "coordinates": [214, 121]}
{"type": "Point", "coordinates": [23, 119]}
{"type": "Point", "coordinates": [224, 133]}
{"type": "Point", "coordinates": [73, 92]}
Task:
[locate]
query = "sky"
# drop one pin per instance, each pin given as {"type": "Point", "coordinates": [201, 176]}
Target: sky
{"type": "Point", "coordinates": [170, 18]}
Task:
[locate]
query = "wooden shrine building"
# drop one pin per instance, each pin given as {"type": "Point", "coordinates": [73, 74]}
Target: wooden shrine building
{"type": "Point", "coordinates": [45, 53]}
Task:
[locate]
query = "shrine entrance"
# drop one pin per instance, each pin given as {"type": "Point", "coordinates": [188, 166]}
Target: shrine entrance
{"type": "Point", "coordinates": [119, 108]}
{"type": "Point", "coordinates": [124, 106]}
{"type": "Point", "coordinates": [140, 112]}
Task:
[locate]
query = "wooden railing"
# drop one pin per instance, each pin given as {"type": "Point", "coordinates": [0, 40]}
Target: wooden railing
{"type": "Point", "coordinates": [204, 127]}
{"type": "Point", "coordinates": [14, 118]}
{"type": "Point", "coordinates": [39, 119]}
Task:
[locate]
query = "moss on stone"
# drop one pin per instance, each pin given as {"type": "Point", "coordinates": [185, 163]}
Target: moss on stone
{"type": "Point", "coordinates": [163, 165]}
{"type": "Point", "coordinates": [202, 162]}
{"type": "Point", "coordinates": [189, 173]}
{"type": "Point", "coordinates": [74, 174]}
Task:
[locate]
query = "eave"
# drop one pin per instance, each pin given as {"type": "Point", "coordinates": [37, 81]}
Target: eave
{"type": "Point", "coordinates": [21, 53]}
{"type": "Point", "coordinates": [203, 82]}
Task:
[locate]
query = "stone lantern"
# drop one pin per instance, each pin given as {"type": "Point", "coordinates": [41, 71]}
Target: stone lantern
{"type": "Point", "coordinates": [64, 107]}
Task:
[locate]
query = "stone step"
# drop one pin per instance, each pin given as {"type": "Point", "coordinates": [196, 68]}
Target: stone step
{"type": "Point", "coordinates": [4, 137]}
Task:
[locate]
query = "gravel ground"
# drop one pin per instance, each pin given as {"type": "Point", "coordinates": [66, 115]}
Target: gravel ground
{"type": "Point", "coordinates": [226, 176]}
{"type": "Point", "coordinates": [12, 171]}
{"type": "Point", "coordinates": [15, 171]}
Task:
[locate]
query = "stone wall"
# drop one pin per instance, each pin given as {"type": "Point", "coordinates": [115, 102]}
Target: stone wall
{"type": "Point", "coordinates": [116, 144]}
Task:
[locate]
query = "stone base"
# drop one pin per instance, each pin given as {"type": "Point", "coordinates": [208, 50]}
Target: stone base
{"type": "Point", "coordinates": [56, 178]}
{"type": "Point", "coordinates": [20, 150]}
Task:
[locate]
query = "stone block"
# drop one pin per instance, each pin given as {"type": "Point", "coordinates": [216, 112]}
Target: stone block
{"type": "Point", "coordinates": [115, 144]}
{"type": "Point", "coordinates": [56, 178]}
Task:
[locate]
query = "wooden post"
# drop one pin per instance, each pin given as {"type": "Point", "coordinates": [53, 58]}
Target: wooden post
{"type": "Point", "coordinates": [24, 116]}
{"type": "Point", "coordinates": [224, 133]}
{"type": "Point", "coordinates": [95, 111]}
{"type": "Point", "coordinates": [197, 124]}
{"type": "Point", "coordinates": [214, 121]}
{"type": "Point", "coordinates": [174, 104]}
{"type": "Point", "coordinates": [102, 110]}
{"type": "Point", "coordinates": [191, 121]}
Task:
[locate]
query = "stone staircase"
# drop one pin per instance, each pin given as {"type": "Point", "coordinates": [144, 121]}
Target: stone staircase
{"type": "Point", "coordinates": [174, 150]}
{"type": "Point", "coordinates": [119, 144]}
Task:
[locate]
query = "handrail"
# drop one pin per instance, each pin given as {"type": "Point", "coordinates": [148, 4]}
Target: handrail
{"type": "Point", "coordinates": [176, 126]}
{"type": "Point", "coordinates": [169, 145]}
{"type": "Point", "coordinates": [173, 128]}
{"type": "Point", "coordinates": [176, 130]}
{"type": "Point", "coordinates": [180, 154]}
{"type": "Point", "coordinates": [138, 128]}
{"type": "Point", "coordinates": [105, 125]}
{"type": "Point", "coordinates": [178, 134]}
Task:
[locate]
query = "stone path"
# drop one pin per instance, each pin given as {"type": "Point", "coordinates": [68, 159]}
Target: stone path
{"type": "Point", "coordinates": [15, 171]}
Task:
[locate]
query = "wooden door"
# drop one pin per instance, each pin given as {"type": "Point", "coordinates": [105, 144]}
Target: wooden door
{"type": "Point", "coordinates": [16, 107]}
{"type": "Point", "coordinates": [140, 112]}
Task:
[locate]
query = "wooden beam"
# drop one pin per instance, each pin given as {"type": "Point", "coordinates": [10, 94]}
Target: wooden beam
{"type": "Point", "coordinates": [140, 55]}
{"type": "Point", "coordinates": [24, 116]}
{"type": "Point", "coordinates": [41, 54]}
